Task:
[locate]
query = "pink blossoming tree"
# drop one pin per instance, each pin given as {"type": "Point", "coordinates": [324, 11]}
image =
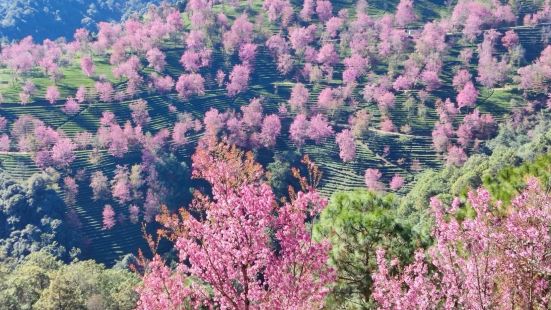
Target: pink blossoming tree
{"type": "Point", "coordinates": [52, 94]}
{"type": "Point", "coordinates": [347, 145]}
{"type": "Point", "coordinates": [156, 59]}
{"type": "Point", "coordinates": [190, 84]}
{"type": "Point", "coordinates": [396, 182]}
{"type": "Point", "coordinates": [324, 9]}
{"type": "Point", "coordinates": [233, 248]}
{"type": "Point", "coordinates": [467, 96]}
{"type": "Point", "coordinates": [99, 185]}
{"type": "Point", "coordinates": [239, 80]}
{"type": "Point", "coordinates": [496, 259]}
{"type": "Point", "coordinates": [87, 66]}
{"type": "Point", "coordinates": [299, 97]}
{"type": "Point", "coordinates": [371, 178]}
{"type": "Point", "coordinates": [108, 217]}
{"type": "Point", "coordinates": [71, 106]}
{"type": "Point", "coordinates": [404, 13]}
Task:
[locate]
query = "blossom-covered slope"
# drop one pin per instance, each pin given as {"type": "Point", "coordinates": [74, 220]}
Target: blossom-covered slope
{"type": "Point", "coordinates": [373, 93]}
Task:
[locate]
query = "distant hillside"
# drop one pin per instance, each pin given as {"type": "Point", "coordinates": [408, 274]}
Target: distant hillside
{"type": "Point", "coordinates": [59, 18]}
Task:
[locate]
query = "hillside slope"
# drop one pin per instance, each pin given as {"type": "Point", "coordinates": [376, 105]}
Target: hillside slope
{"type": "Point", "coordinates": [392, 153]}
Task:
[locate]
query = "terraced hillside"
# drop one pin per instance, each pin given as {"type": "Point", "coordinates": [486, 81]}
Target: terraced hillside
{"type": "Point", "coordinates": [390, 152]}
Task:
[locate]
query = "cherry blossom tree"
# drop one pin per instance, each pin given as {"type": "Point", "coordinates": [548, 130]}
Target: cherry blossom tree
{"type": "Point", "coordinates": [239, 80]}
{"type": "Point", "coordinates": [52, 94]}
{"type": "Point", "coordinates": [359, 122]}
{"type": "Point", "coordinates": [299, 130]}
{"type": "Point", "coordinates": [190, 84]}
{"type": "Point", "coordinates": [271, 128]}
{"type": "Point", "coordinates": [45, 137]}
{"type": "Point", "coordinates": [277, 45]}
{"type": "Point", "coordinates": [105, 91]}
{"type": "Point", "coordinates": [333, 26]}
{"type": "Point", "coordinates": [4, 143]}
{"type": "Point", "coordinates": [134, 214]}
{"type": "Point", "coordinates": [387, 125]}
{"type": "Point", "coordinates": [446, 110]}
{"type": "Point", "coordinates": [475, 126]}
{"type": "Point", "coordinates": [128, 69]}
{"type": "Point", "coordinates": [385, 101]}
{"type": "Point", "coordinates": [220, 77]}
{"type": "Point", "coordinates": [241, 32]}
{"type": "Point", "coordinates": [279, 10]}
{"type": "Point", "coordinates": [403, 82]}
{"type": "Point", "coordinates": [214, 122]}
{"type": "Point", "coordinates": [371, 178]}
{"type": "Point", "coordinates": [99, 185]}
{"type": "Point", "coordinates": [215, 247]}
{"type": "Point", "coordinates": [80, 96]}
{"type": "Point", "coordinates": [24, 98]}
{"type": "Point", "coordinates": [195, 40]}
{"type": "Point", "coordinates": [71, 106]}
{"type": "Point", "coordinates": [535, 77]}
{"type": "Point", "coordinates": [491, 72]}
{"type": "Point", "coordinates": [299, 97]}
{"type": "Point", "coordinates": [347, 145]}
{"type": "Point", "coordinates": [156, 59]}
{"type": "Point", "coordinates": [63, 152]}
{"type": "Point", "coordinates": [115, 139]}
{"type": "Point", "coordinates": [307, 10]}
{"type": "Point", "coordinates": [494, 259]}
{"type": "Point", "coordinates": [430, 79]}
{"type": "Point", "coordinates": [285, 63]}
{"type": "Point", "coordinates": [327, 55]}
{"type": "Point", "coordinates": [195, 60]}
{"type": "Point", "coordinates": [252, 113]}
{"type": "Point", "coordinates": [29, 87]}
{"type": "Point", "coordinates": [319, 128]}
{"type": "Point", "coordinates": [83, 139]}
{"type": "Point", "coordinates": [300, 37]}
{"type": "Point", "coordinates": [474, 16]}
{"type": "Point", "coordinates": [247, 53]}
{"type": "Point", "coordinates": [87, 66]}
{"type": "Point", "coordinates": [441, 136]}
{"type": "Point", "coordinates": [3, 123]}
{"type": "Point", "coordinates": [467, 96]}
{"type": "Point", "coordinates": [543, 15]}
{"type": "Point", "coordinates": [396, 182]}
{"type": "Point", "coordinates": [324, 9]}
{"type": "Point", "coordinates": [466, 56]}
{"type": "Point", "coordinates": [405, 14]}
{"type": "Point", "coordinates": [70, 188]}
{"type": "Point", "coordinates": [107, 118]}
{"type": "Point", "coordinates": [163, 84]}
{"type": "Point", "coordinates": [456, 156]}
{"type": "Point", "coordinates": [120, 188]}
{"type": "Point", "coordinates": [19, 57]}
{"type": "Point", "coordinates": [237, 131]}
{"type": "Point", "coordinates": [108, 217]}
{"type": "Point", "coordinates": [510, 39]}
{"type": "Point", "coordinates": [140, 115]}
{"type": "Point", "coordinates": [329, 100]}
{"type": "Point", "coordinates": [355, 67]}
{"type": "Point", "coordinates": [50, 67]}
{"type": "Point", "coordinates": [460, 79]}
{"type": "Point", "coordinates": [180, 130]}
{"type": "Point", "coordinates": [25, 125]}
